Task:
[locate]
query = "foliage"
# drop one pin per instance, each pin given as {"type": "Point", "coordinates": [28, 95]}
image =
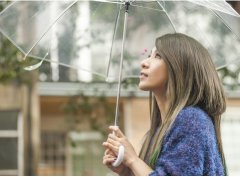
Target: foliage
{"type": "Point", "coordinates": [97, 111]}
{"type": "Point", "coordinates": [230, 76]}
{"type": "Point", "coordinates": [130, 82]}
{"type": "Point", "coordinates": [11, 60]}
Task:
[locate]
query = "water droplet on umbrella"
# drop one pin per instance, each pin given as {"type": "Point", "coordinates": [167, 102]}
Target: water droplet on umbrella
{"type": "Point", "coordinates": [30, 68]}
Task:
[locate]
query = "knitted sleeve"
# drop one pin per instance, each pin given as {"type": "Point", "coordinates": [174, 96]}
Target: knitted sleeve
{"type": "Point", "coordinates": [189, 147]}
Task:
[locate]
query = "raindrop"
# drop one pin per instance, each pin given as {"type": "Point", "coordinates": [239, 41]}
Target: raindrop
{"type": "Point", "coordinates": [32, 67]}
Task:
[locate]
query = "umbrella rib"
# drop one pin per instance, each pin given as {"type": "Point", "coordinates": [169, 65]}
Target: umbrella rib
{"type": "Point", "coordinates": [232, 9]}
{"type": "Point", "coordinates": [92, 18]}
{"type": "Point", "coordinates": [31, 18]}
{"type": "Point", "coordinates": [224, 23]}
{"type": "Point", "coordinates": [50, 27]}
{"type": "Point", "coordinates": [233, 62]}
{"type": "Point", "coordinates": [87, 29]}
{"type": "Point", "coordinates": [206, 39]}
{"type": "Point", "coordinates": [168, 16]}
{"type": "Point", "coordinates": [121, 62]}
{"type": "Point", "coordinates": [216, 6]}
{"type": "Point", "coordinates": [114, 35]}
{"type": "Point", "coordinates": [142, 13]}
{"type": "Point", "coordinates": [7, 7]}
{"type": "Point", "coordinates": [10, 39]}
{"type": "Point", "coordinates": [146, 1]}
{"type": "Point", "coordinates": [66, 65]}
{"type": "Point", "coordinates": [132, 2]}
{"type": "Point", "coordinates": [147, 8]}
{"type": "Point", "coordinates": [35, 66]}
{"type": "Point", "coordinates": [108, 1]}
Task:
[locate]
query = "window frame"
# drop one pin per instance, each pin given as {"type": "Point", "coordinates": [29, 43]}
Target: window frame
{"type": "Point", "coordinates": [20, 152]}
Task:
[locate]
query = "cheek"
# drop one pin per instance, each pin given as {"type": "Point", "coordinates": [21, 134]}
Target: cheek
{"type": "Point", "coordinates": [157, 79]}
{"type": "Point", "coordinates": [160, 79]}
{"type": "Point", "coordinates": [161, 74]}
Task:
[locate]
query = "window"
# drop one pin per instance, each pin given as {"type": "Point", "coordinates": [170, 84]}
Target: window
{"type": "Point", "coordinates": [86, 154]}
{"type": "Point", "coordinates": [11, 143]}
{"type": "Point", "coordinates": [53, 154]}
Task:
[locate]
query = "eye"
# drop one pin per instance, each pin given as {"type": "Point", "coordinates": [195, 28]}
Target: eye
{"type": "Point", "coordinates": [149, 56]}
{"type": "Point", "coordinates": [158, 56]}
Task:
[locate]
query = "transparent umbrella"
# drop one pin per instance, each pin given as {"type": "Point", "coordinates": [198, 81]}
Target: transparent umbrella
{"type": "Point", "coordinates": [111, 38]}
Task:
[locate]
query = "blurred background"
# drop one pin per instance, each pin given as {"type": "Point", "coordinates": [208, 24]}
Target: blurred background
{"type": "Point", "coordinates": [53, 123]}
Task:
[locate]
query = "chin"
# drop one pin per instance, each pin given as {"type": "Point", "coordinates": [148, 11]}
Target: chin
{"type": "Point", "coordinates": [143, 87]}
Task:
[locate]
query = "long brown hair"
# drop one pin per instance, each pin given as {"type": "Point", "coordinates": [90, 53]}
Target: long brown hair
{"type": "Point", "coordinates": [192, 81]}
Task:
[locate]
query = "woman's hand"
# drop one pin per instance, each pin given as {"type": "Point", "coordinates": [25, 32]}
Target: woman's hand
{"type": "Point", "coordinates": [110, 157]}
{"type": "Point", "coordinates": [114, 142]}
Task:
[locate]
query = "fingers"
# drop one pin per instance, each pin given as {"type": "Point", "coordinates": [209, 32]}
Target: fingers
{"type": "Point", "coordinates": [117, 131]}
{"type": "Point", "coordinates": [109, 152]}
{"type": "Point", "coordinates": [115, 143]}
{"type": "Point", "coordinates": [109, 156]}
{"type": "Point", "coordinates": [107, 159]}
{"type": "Point", "coordinates": [111, 147]}
{"type": "Point", "coordinates": [115, 138]}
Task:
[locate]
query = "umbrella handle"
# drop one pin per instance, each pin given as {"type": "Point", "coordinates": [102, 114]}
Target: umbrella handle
{"type": "Point", "coordinates": [120, 155]}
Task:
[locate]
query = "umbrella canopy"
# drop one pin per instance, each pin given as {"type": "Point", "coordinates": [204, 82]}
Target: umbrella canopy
{"type": "Point", "coordinates": [111, 38]}
{"type": "Point", "coordinates": [88, 35]}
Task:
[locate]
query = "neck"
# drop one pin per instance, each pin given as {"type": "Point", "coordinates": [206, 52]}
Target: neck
{"type": "Point", "coordinates": [163, 104]}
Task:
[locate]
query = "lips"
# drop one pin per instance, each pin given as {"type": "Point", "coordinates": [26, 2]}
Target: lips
{"type": "Point", "coordinates": [143, 74]}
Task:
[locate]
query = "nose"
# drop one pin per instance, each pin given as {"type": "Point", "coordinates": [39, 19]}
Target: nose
{"type": "Point", "coordinates": [144, 63]}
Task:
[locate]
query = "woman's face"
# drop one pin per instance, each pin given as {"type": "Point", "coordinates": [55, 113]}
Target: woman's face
{"type": "Point", "coordinates": [154, 74]}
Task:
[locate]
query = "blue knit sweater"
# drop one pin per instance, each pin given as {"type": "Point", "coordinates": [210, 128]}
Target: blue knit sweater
{"type": "Point", "coordinates": [190, 147]}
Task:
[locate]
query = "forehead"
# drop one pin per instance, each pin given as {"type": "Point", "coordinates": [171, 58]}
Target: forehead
{"type": "Point", "coordinates": [154, 49]}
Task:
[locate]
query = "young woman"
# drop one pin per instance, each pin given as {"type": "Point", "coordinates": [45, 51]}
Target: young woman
{"type": "Point", "coordinates": [186, 103]}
